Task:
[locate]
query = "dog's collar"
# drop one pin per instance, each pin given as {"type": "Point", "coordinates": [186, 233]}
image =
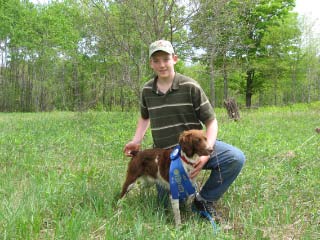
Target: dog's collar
{"type": "Point", "coordinates": [176, 152]}
{"type": "Point", "coordinates": [183, 158]}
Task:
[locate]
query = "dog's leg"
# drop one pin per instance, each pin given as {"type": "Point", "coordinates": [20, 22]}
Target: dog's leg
{"type": "Point", "coordinates": [189, 202]}
{"type": "Point", "coordinates": [176, 211]}
{"type": "Point", "coordinates": [128, 185]}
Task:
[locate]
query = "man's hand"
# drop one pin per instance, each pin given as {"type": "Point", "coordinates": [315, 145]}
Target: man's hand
{"type": "Point", "coordinates": [198, 166]}
{"type": "Point", "coordinates": [130, 146]}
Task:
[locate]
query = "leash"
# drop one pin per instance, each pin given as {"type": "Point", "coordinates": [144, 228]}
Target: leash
{"type": "Point", "coordinates": [207, 215]}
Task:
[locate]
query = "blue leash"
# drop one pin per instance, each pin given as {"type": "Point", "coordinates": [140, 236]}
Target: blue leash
{"type": "Point", "coordinates": [210, 218]}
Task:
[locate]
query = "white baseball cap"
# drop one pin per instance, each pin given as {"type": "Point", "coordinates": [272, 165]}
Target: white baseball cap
{"type": "Point", "coordinates": [161, 45]}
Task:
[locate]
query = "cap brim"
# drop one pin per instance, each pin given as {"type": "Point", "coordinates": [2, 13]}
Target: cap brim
{"type": "Point", "coordinates": [161, 49]}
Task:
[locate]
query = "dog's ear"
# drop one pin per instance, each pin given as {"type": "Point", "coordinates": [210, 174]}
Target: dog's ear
{"type": "Point", "coordinates": [186, 143]}
{"type": "Point", "coordinates": [134, 153]}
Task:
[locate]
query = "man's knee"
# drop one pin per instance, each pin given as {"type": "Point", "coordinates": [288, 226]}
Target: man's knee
{"type": "Point", "coordinates": [238, 159]}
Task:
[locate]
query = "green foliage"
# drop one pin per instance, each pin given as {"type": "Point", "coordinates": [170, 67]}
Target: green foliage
{"type": "Point", "coordinates": [79, 55]}
{"type": "Point", "coordinates": [62, 173]}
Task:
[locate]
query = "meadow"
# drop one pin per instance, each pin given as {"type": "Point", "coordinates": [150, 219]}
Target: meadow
{"type": "Point", "coordinates": [61, 175]}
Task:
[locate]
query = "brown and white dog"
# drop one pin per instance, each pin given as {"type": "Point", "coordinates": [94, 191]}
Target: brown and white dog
{"type": "Point", "coordinates": [153, 165]}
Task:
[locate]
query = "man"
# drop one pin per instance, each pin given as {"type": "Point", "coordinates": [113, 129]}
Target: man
{"type": "Point", "coordinates": [172, 103]}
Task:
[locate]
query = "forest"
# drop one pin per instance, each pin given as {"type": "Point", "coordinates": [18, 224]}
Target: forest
{"type": "Point", "coordinates": [76, 55]}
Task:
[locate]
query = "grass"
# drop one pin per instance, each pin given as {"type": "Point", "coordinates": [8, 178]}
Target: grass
{"type": "Point", "coordinates": [61, 174]}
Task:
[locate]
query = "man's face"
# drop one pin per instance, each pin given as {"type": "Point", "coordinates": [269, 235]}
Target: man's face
{"type": "Point", "coordinates": [163, 63]}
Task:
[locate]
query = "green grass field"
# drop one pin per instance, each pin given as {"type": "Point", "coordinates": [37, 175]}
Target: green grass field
{"type": "Point", "coordinates": [61, 174]}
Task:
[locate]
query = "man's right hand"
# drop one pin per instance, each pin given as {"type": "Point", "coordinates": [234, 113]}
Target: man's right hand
{"type": "Point", "coordinates": [130, 146]}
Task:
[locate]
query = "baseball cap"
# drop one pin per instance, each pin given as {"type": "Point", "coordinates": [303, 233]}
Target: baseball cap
{"type": "Point", "coordinates": [160, 45]}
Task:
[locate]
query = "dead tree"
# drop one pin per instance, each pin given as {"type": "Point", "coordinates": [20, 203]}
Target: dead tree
{"type": "Point", "coordinates": [232, 109]}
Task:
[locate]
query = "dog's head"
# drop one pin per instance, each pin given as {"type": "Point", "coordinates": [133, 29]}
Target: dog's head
{"type": "Point", "coordinates": [194, 142]}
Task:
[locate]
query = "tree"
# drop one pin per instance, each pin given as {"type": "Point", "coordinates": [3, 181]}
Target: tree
{"type": "Point", "coordinates": [215, 31]}
{"type": "Point", "coordinates": [310, 61]}
{"type": "Point", "coordinates": [76, 55]}
{"type": "Point", "coordinates": [37, 37]}
{"type": "Point", "coordinates": [124, 30]}
{"type": "Point", "coordinates": [256, 17]}
{"type": "Point", "coordinates": [280, 48]}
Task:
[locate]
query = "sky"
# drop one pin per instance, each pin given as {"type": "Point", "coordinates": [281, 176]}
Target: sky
{"type": "Point", "coordinates": [311, 10]}
{"type": "Point", "coordinates": [308, 7]}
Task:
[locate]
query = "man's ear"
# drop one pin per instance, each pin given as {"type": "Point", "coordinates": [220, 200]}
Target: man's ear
{"type": "Point", "coordinates": [175, 58]}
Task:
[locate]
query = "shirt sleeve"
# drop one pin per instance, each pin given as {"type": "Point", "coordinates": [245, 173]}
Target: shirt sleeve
{"type": "Point", "coordinates": [143, 106]}
{"type": "Point", "coordinates": [202, 105]}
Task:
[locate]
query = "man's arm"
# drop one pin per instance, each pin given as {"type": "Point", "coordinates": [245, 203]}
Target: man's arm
{"type": "Point", "coordinates": [141, 129]}
{"type": "Point", "coordinates": [212, 131]}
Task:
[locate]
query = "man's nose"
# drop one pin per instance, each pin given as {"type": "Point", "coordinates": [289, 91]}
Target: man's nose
{"type": "Point", "coordinates": [161, 63]}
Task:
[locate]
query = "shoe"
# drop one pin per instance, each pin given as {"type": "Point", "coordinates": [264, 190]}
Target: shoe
{"type": "Point", "coordinates": [204, 208]}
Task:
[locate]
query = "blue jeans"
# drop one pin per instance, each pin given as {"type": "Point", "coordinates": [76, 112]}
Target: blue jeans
{"type": "Point", "coordinates": [225, 165]}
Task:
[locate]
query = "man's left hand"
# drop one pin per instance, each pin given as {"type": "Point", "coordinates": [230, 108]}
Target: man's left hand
{"type": "Point", "coordinates": [198, 166]}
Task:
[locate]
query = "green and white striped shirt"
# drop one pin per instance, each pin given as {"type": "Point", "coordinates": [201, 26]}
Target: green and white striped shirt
{"type": "Point", "coordinates": [185, 106]}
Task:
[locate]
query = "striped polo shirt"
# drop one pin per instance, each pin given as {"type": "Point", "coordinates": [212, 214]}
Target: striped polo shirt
{"type": "Point", "coordinates": [185, 106]}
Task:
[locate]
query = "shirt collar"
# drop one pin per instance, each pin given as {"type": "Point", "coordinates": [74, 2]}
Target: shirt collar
{"type": "Point", "coordinates": [175, 83]}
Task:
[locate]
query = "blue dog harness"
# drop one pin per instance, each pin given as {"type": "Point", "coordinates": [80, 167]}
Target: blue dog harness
{"type": "Point", "coordinates": [180, 184]}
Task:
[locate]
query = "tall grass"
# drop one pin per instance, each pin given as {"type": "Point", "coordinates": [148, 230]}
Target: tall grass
{"type": "Point", "coordinates": [61, 175]}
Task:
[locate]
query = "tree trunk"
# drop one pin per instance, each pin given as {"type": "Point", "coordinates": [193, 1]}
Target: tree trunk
{"type": "Point", "coordinates": [76, 87]}
{"type": "Point", "coordinates": [212, 83]}
{"type": "Point", "coordinates": [275, 92]}
{"type": "Point", "coordinates": [232, 109]}
{"type": "Point", "coordinates": [293, 83]}
{"type": "Point", "coordinates": [225, 80]}
{"type": "Point", "coordinates": [249, 88]}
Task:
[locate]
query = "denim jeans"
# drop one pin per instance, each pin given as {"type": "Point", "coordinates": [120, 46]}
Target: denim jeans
{"type": "Point", "coordinates": [225, 165]}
